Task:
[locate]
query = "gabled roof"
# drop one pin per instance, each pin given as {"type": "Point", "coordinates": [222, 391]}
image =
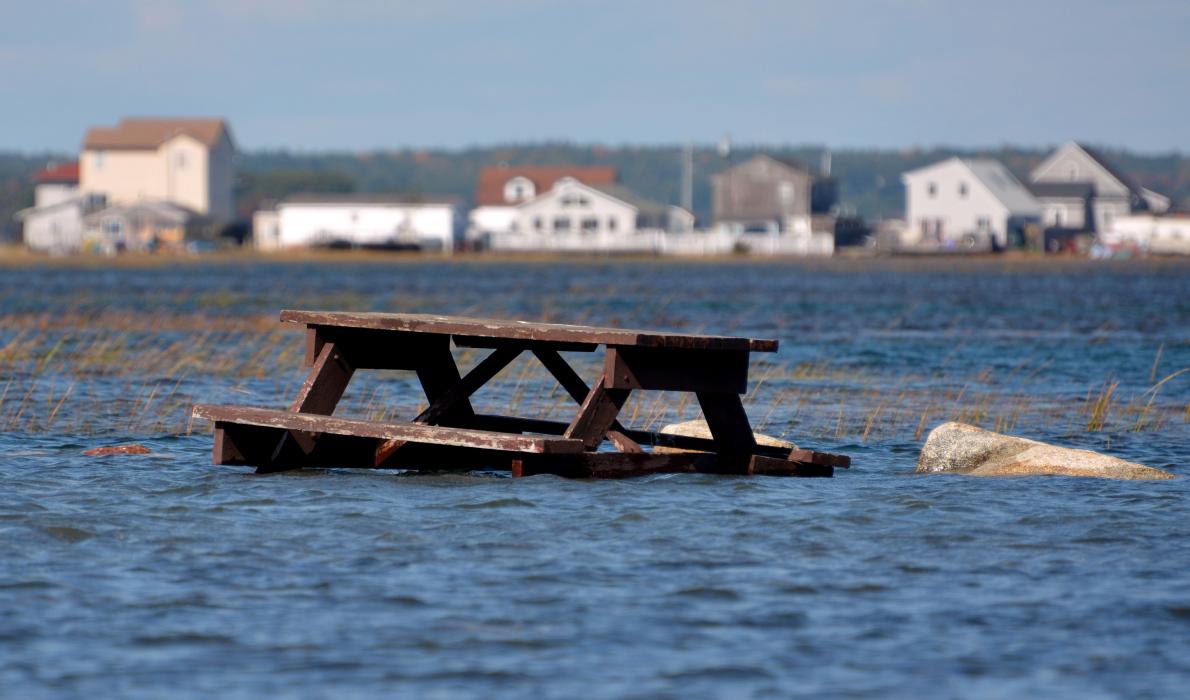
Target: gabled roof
{"type": "Point", "coordinates": [364, 199]}
{"type": "Point", "coordinates": [144, 133]}
{"type": "Point", "coordinates": [156, 209]}
{"type": "Point", "coordinates": [1006, 188]}
{"type": "Point", "coordinates": [784, 162]}
{"type": "Point", "coordinates": [64, 173]}
{"type": "Point", "coordinates": [489, 190]}
{"type": "Point", "coordinates": [1107, 165]}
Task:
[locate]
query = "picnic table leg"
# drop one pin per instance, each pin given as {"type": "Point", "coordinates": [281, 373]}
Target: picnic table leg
{"type": "Point", "coordinates": [578, 390]}
{"type": "Point", "coordinates": [728, 422]}
{"type": "Point", "coordinates": [597, 414]}
{"type": "Point", "coordinates": [320, 393]}
{"type": "Point", "coordinates": [438, 374]}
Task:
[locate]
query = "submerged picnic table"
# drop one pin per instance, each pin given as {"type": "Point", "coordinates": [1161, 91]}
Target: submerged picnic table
{"type": "Point", "coordinates": [449, 434]}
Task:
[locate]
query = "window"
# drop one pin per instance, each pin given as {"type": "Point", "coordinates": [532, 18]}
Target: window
{"type": "Point", "coordinates": [571, 200]}
{"type": "Point", "coordinates": [962, 189]}
{"type": "Point", "coordinates": [785, 192]}
{"type": "Point", "coordinates": [1072, 171]}
{"type": "Point", "coordinates": [932, 188]}
{"type": "Point", "coordinates": [180, 159]}
{"type": "Point", "coordinates": [590, 224]}
{"type": "Point", "coordinates": [984, 223]}
{"type": "Point", "coordinates": [1057, 218]}
{"type": "Point", "coordinates": [100, 156]}
{"type": "Point", "coordinates": [562, 223]}
{"type": "Point", "coordinates": [537, 223]}
{"type": "Point", "coordinates": [518, 189]}
{"type": "Point", "coordinates": [612, 223]}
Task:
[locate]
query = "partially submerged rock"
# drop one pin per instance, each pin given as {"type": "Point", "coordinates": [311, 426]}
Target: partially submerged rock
{"type": "Point", "coordinates": [117, 450]}
{"type": "Point", "coordinates": [957, 447]}
{"type": "Point", "coordinates": [699, 429]}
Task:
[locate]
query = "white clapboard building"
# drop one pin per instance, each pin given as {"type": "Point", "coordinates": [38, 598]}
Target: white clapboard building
{"type": "Point", "coordinates": [359, 221]}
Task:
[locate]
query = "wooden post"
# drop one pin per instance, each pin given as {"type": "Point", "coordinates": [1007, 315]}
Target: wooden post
{"type": "Point", "coordinates": [597, 414]}
{"type": "Point", "coordinates": [578, 390]}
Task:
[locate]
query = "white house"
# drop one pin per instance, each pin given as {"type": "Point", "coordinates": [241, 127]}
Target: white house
{"type": "Point", "coordinates": [360, 220]}
{"type": "Point", "coordinates": [575, 216]}
{"type": "Point", "coordinates": [56, 228]}
{"type": "Point", "coordinates": [188, 162]}
{"type": "Point", "coordinates": [1162, 234]}
{"type": "Point", "coordinates": [1112, 193]}
{"type": "Point", "coordinates": [501, 189]}
{"type": "Point", "coordinates": [54, 224]}
{"type": "Point", "coordinates": [967, 204]}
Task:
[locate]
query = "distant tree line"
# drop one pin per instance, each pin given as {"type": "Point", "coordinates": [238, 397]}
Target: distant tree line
{"type": "Point", "coordinates": [869, 179]}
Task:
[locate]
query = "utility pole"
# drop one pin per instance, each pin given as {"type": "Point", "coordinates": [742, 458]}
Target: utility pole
{"type": "Point", "coordinates": [688, 177]}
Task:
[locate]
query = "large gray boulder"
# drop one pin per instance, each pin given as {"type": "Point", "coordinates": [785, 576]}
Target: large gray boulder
{"type": "Point", "coordinates": [957, 447]}
{"type": "Point", "coordinates": [700, 429]}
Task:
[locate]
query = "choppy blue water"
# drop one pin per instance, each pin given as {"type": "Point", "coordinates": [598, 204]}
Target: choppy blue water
{"type": "Point", "coordinates": [163, 576]}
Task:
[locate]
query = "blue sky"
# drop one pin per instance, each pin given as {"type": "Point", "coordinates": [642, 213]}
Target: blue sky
{"type": "Point", "coordinates": [359, 74]}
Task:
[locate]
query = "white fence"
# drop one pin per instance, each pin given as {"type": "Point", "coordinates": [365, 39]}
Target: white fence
{"type": "Point", "coordinates": [689, 243]}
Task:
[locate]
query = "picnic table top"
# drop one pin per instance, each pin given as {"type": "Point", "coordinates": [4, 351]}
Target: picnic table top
{"type": "Point", "coordinates": [525, 330]}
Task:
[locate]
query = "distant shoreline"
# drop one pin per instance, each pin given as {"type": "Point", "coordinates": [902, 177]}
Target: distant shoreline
{"type": "Point", "coordinates": [14, 257]}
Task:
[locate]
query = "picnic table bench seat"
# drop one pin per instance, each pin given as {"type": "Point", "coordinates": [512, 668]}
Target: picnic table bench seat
{"type": "Point", "coordinates": [449, 434]}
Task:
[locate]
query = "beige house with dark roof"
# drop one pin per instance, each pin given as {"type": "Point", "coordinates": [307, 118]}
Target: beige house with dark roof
{"type": "Point", "coordinates": [183, 161]}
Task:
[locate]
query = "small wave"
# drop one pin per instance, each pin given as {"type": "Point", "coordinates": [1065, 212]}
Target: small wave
{"type": "Point", "coordinates": [708, 592]}
{"type": "Point", "coordinates": [69, 534]}
{"type": "Point", "coordinates": [182, 638]}
{"type": "Point", "coordinates": [499, 503]}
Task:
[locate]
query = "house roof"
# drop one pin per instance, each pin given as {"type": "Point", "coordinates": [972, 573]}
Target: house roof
{"type": "Point", "coordinates": [365, 198]}
{"type": "Point", "coordinates": [144, 133]}
{"type": "Point", "coordinates": [489, 190]}
{"type": "Point", "coordinates": [785, 162]}
{"type": "Point", "coordinates": [1073, 190]}
{"type": "Point", "coordinates": [157, 210]}
{"type": "Point", "coordinates": [1107, 165]}
{"type": "Point", "coordinates": [997, 178]}
{"type": "Point", "coordinates": [66, 173]}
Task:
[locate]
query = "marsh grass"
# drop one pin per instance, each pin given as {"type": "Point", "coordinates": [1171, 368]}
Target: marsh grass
{"type": "Point", "coordinates": [81, 373]}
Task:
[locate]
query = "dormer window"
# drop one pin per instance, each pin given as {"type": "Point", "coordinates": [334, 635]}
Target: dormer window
{"type": "Point", "coordinates": [519, 189]}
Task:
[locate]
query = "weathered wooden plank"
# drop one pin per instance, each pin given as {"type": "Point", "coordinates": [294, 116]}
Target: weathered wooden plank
{"type": "Point", "coordinates": [824, 459]}
{"type": "Point", "coordinates": [522, 330]}
{"type": "Point", "coordinates": [612, 465]}
{"type": "Point", "coordinates": [596, 415]}
{"type": "Point", "coordinates": [471, 341]}
{"type": "Point", "coordinates": [510, 424]}
{"type": "Point", "coordinates": [326, 382]}
{"type": "Point", "coordinates": [721, 371]}
{"type": "Point", "coordinates": [412, 432]}
{"type": "Point", "coordinates": [574, 385]}
{"type": "Point", "coordinates": [728, 422]}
